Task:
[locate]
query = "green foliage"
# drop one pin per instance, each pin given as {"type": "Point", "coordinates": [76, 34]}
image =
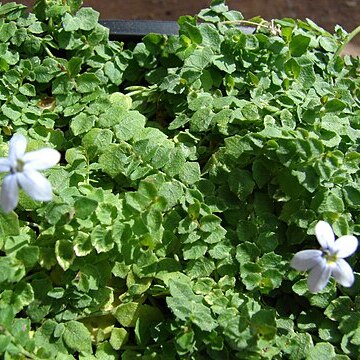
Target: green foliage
{"type": "Point", "coordinates": [194, 166]}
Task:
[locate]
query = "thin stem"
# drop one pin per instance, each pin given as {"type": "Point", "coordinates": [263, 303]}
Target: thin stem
{"type": "Point", "coordinates": [350, 36]}
{"type": "Point", "coordinates": [47, 50]}
{"type": "Point", "coordinates": [245, 22]}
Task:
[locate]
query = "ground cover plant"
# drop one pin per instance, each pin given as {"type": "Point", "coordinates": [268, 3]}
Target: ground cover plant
{"type": "Point", "coordinates": [193, 168]}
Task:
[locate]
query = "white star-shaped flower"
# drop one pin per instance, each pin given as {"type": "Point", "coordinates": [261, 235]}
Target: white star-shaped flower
{"type": "Point", "coordinates": [23, 168]}
{"type": "Point", "coordinates": [327, 261]}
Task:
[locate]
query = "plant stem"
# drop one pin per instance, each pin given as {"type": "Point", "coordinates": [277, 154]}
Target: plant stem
{"type": "Point", "coordinates": [47, 50]}
{"type": "Point", "coordinates": [347, 40]}
{"type": "Point", "coordinates": [245, 22]}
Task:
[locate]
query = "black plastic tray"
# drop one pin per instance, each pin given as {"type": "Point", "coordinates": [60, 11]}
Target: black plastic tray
{"type": "Point", "coordinates": [136, 29]}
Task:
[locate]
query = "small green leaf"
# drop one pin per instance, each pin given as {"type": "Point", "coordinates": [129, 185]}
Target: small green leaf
{"type": "Point", "coordinates": [87, 18]}
{"type": "Point", "coordinates": [128, 124]}
{"type": "Point", "coordinates": [61, 85]}
{"type": "Point", "coordinates": [23, 296]}
{"type": "Point", "coordinates": [29, 255]}
{"type": "Point", "coordinates": [44, 338]}
{"type": "Point", "coordinates": [74, 66]}
{"type": "Point", "coordinates": [247, 252]}
{"type": "Point", "coordinates": [201, 267]}
{"type": "Point", "coordinates": [87, 82]}
{"type": "Point", "coordinates": [65, 254]}
{"type": "Point", "coordinates": [7, 30]}
{"type": "Point", "coordinates": [11, 269]}
{"type": "Point", "coordinates": [220, 251]}
{"type": "Point", "coordinates": [352, 195]}
{"type": "Point", "coordinates": [321, 351]}
{"type": "Point", "coordinates": [328, 43]}
{"type": "Point", "coordinates": [118, 338]}
{"type": "Point", "coordinates": [210, 36]}
{"type": "Point", "coordinates": [263, 323]}
{"type": "Point", "coordinates": [201, 120]}
{"type": "Point", "coordinates": [335, 105]}
{"type": "Point", "coordinates": [113, 73]}
{"type": "Point", "coordinates": [101, 239]}
{"type": "Point", "coordinates": [188, 27]}
{"type": "Point", "coordinates": [241, 183]}
{"type": "Point", "coordinates": [250, 112]}
{"type": "Point", "coordinates": [209, 223]}
{"type": "Point", "coordinates": [56, 293]}
{"type": "Point", "coordinates": [260, 173]}
{"type": "Point", "coordinates": [70, 23]}
{"type": "Point", "coordinates": [339, 308]}
{"type": "Point", "coordinates": [97, 140]}
{"type": "Point", "coordinates": [299, 45]}
{"type": "Point", "coordinates": [194, 250]}
{"type": "Point", "coordinates": [300, 287]}
{"type": "Point", "coordinates": [9, 225]}
{"type": "Point", "coordinates": [190, 172]}
{"type": "Point", "coordinates": [6, 316]}
{"type": "Point", "coordinates": [127, 314]}
{"type": "Point", "coordinates": [77, 337]}
{"type": "Point", "coordinates": [189, 307]}
{"type": "Point", "coordinates": [82, 123]}
{"type": "Point", "coordinates": [327, 201]}
{"type": "Point", "coordinates": [28, 90]}
{"type": "Point", "coordinates": [4, 343]}
{"type": "Point", "coordinates": [11, 111]}
{"type": "Point", "coordinates": [84, 207]}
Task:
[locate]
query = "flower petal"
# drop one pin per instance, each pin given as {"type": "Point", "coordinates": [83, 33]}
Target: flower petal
{"type": "Point", "coordinates": [9, 193]}
{"type": "Point", "coordinates": [345, 246]}
{"type": "Point", "coordinates": [17, 147]}
{"type": "Point", "coordinates": [319, 276]}
{"type": "Point", "coordinates": [306, 259]}
{"type": "Point", "coordinates": [324, 235]}
{"type": "Point", "coordinates": [41, 159]}
{"type": "Point", "coordinates": [343, 273]}
{"type": "Point", "coordinates": [5, 165]}
{"type": "Point", "coordinates": [35, 185]}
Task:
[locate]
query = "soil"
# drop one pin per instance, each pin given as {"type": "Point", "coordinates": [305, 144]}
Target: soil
{"type": "Point", "coordinates": [326, 13]}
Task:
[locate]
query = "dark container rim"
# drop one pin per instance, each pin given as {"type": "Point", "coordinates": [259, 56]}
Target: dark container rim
{"type": "Point", "coordinates": [134, 30]}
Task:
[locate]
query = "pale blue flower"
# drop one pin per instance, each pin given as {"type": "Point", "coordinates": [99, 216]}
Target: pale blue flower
{"type": "Point", "coordinates": [327, 261]}
{"type": "Point", "coordinates": [23, 168]}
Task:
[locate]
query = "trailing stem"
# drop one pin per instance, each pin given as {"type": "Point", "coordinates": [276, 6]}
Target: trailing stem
{"type": "Point", "coordinates": [350, 36]}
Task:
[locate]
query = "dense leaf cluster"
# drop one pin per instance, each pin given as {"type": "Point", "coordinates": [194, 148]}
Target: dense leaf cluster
{"type": "Point", "coordinates": [193, 167]}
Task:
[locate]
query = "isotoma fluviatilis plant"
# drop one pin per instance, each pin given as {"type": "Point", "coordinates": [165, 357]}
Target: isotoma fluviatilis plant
{"type": "Point", "coordinates": [195, 169]}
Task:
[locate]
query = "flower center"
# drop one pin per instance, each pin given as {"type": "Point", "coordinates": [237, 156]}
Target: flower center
{"type": "Point", "coordinates": [330, 257]}
{"type": "Point", "coordinates": [19, 167]}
